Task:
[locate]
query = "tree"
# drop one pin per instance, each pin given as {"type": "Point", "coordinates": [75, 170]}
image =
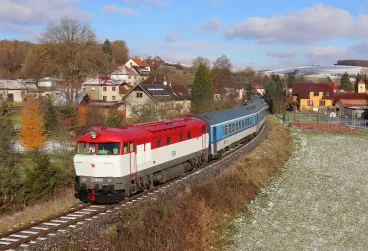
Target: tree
{"type": "Point", "coordinates": [200, 60]}
{"type": "Point", "coordinates": [50, 116]}
{"type": "Point", "coordinates": [6, 134]}
{"type": "Point", "coordinates": [357, 79]}
{"type": "Point", "coordinates": [31, 135]}
{"type": "Point", "coordinates": [120, 52]}
{"type": "Point", "coordinates": [221, 74]}
{"type": "Point", "coordinates": [345, 83]}
{"type": "Point", "coordinates": [291, 79]}
{"type": "Point", "coordinates": [249, 91]}
{"type": "Point", "coordinates": [72, 39]}
{"type": "Point", "coordinates": [202, 90]}
{"type": "Point", "coordinates": [113, 120]}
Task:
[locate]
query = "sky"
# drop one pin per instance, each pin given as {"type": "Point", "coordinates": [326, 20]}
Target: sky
{"type": "Point", "coordinates": [261, 34]}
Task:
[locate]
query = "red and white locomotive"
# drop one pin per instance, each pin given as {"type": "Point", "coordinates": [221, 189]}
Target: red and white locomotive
{"type": "Point", "coordinates": [112, 163]}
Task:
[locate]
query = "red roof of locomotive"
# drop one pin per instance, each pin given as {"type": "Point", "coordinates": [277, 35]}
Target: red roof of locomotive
{"type": "Point", "coordinates": [142, 131]}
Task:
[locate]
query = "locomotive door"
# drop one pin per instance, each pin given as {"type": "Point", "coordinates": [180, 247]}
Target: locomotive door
{"type": "Point", "coordinates": [133, 166]}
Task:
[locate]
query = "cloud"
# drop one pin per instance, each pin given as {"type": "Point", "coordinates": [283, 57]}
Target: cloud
{"type": "Point", "coordinates": [19, 16]}
{"type": "Point", "coordinates": [219, 3]}
{"type": "Point", "coordinates": [170, 37]}
{"type": "Point", "coordinates": [317, 23]}
{"type": "Point", "coordinates": [158, 3]}
{"type": "Point", "coordinates": [210, 25]}
{"type": "Point", "coordinates": [282, 53]}
{"type": "Point", "coordinates": [195, 46]}
{"type": "Point", "coordinates": [330, 54]}
{"type": "Point", "coordinates": [113, 9]}
{"type": "Point", "coordinates": [182, 57]}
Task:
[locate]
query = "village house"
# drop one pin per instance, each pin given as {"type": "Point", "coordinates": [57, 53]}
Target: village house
{"type": "Point", "coordinates": [351, 104]}
{"type": "Point", "coordinates": [170, 96]}
{"type": "Point", "coordinates": [125, 74]}
{"type": "Point", "coordinates": [258, 89]}
{"type": "Point", "coordinates": [103, 89]}
{"type": "Point", "coordinates": [16, 91]}
{"type": "Point", "coordinates": [362, 87]}
{"type": "Point", "coordinates": [312, 96]}
{"type": "Point", "coordinates": [137, 63]}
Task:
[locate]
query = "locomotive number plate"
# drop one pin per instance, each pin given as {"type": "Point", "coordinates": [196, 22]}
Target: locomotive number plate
{"type": "Point", "coordinates": [96, 179]}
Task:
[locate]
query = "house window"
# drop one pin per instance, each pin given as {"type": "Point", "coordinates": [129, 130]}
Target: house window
{"type": "Point", "coordinates": [129, 77]}
{"type": "Point", "coordinates": [113, 97]}
{"type": "Point", "coordinates": [114, 89]}
{"type": "Point", "coordinates": [310, 102]}
{"type": "Point", "coordinates": [104, 88]}
{"type": "Point", "coordinates": [135, 77]}
{"type": "Point", "coordinates": [159, 143]}
{"type": "Point", "coordinates": [168, 141]}
{"type": "Point", "coordinates": [316, 94]}
{"type": "Point", "coordinates": [104, 98]}
{"type": "Point", "coordinates": [322, 103]}
{"type": "Point", "coordinates": [139, 95]}
{"type": "Point", "coordinates": [327, 94]}
{"type": "Point", "coordinates": [181, 137]}
{"type": "Point", "coordinates": [10, 97]}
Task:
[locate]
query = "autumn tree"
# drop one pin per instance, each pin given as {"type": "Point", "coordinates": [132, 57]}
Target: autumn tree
{"type": "Point", "coordinates": [12, 56]}
{"type": "Point", "coordinates": [72, 39]}
{"type": "Point", "coordinates": [120, 52]}
{"type": "Point", "coordinates": [345, 83]}
{"type": "Point", "coordinates": [31, 134]}
{"type": "Point", "coordinates": [202, 90]}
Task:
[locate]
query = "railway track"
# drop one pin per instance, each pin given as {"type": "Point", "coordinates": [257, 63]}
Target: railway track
{"type": "Point", "coordinates": [40, 230]}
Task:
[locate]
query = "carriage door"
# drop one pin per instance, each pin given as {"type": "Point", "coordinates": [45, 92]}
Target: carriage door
{"type": "Point", "coordinates": [214, 139]}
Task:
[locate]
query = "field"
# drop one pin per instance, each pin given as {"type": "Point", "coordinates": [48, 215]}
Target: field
{"type": "Point", "coordinates": [318, 202]}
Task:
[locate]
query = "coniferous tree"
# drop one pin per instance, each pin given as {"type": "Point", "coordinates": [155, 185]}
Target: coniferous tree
{"type": "Point", "coordinates": [50, 116]}
{"type": "Point", "coordinates": [202, 90]}
{"type": "Point", "coordinates": [357, 79]}
{"type": "Point", "coordinates": [249, 91]}
{"type": "Point", "coordinates": [345, 83]}
{"type": "Point", "coordinates": [107, 48]}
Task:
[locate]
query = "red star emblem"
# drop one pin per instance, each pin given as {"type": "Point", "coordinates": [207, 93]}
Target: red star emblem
{"type": "Point", "coordinates": [93, 165]}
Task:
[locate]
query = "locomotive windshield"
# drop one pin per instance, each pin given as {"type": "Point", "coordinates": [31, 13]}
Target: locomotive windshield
{"type": "Point", "coordinates": [100, 148]}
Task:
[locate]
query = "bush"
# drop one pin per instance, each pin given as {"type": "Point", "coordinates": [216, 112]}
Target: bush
{"type": "Point", "coordinates": [43, 179]}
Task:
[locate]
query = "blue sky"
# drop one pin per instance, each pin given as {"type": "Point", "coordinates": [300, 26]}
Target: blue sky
{"type": "Point", "coordinates": [262, 34]}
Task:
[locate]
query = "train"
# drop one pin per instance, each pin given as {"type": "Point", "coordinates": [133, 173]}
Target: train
{"type": "Point", "coordinates": [114, 163]}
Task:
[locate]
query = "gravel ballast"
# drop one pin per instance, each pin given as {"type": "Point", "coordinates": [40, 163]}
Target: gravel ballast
{"type": "Point", "coordinates": [318, 202]}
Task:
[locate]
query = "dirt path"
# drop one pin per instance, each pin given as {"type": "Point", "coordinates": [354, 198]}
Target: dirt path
{"type": "Point", "coordinates": [319, 202]}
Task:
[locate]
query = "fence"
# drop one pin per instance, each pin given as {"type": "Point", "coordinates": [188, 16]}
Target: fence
{"type": "Point", "coordinates": [324, 121]}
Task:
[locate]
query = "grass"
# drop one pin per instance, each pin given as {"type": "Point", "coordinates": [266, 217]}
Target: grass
{"type": "Point", "coordinates": [199, 218]}
{"type": "Point", "coordinates": [58, 204]}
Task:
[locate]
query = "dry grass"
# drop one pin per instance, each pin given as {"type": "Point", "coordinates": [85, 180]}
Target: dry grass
{"type": "Point", "coordinates": [58, 204]}
{"type": "Point", "coordinates": [197, 218]}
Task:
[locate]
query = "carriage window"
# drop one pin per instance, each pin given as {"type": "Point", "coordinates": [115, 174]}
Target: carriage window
{"type": "Point", "coordinates": [188, 135]}
{"type": "Point", "coordinates": [86, 148]}
{"type": "Point", "coordinates": [250, 121]}
{"type": "Point", "coordinates": [243, 123]}
{"type": "Point", "coordinates": [125, 147]}
{"type": "Point", "coordinates": [181, 137]}
{"type": "Point", "coordinates": [131, 148]}
{"type": "Point", "coordinates": [109, 148]}
{"type": "Point", "coordinates": [233, 127]}
{"type": "Point", "coordinates": [159, 143]}
{"type": "Point", "coordinates": [168, 141]}
{"type": "Point", "coordinates": [237, 126]}
{"type": "Point", "coordinates": [226, 130]}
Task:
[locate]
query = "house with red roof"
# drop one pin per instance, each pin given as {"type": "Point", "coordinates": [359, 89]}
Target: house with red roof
{"type": "Point", "coordinates": [141, 64]}
{"type": "Point", "coordinates": [258, 89]}
{"type": "Point", "coordinates": [312, 96]}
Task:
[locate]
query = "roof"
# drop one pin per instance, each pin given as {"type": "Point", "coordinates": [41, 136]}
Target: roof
{"type": "Point", "coordinates": [60, 99]}
{"type": "Point", "coordinates": [140, 62]}
{"type": "Point", "coordinates": [141, 70]}
{"type": "Point", "coordinates": [349, 95]}
{"type": "Point", "coordinates": [124, 70]}
{"type": "Point", "coordinates": [303, 89]}
{"type": "Point", "coordinates": [257, 86]}
{"type": "Point", "coordinates": [354, 102]}
{"type": "Point", "coordinates": [221, 116]}
{"type": "Point", "coordinates": [16, 85]}
{"type": "Point", "coordinates": [104, 81]}
{"type": "Point", "coordinates": [334, 85]}
{"type": "Point", "coordinates": [361, 81]}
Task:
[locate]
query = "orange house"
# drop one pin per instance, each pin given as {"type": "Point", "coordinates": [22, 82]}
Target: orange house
{"type": "Point", "coordinates": [312, 96]}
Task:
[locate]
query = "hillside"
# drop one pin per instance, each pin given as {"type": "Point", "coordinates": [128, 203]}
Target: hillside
{"type": "Point", "coordinates": [353, 62]}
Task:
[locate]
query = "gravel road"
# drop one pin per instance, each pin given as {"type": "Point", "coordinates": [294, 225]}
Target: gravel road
{"type": "Point", "coordinates": [318, 202]}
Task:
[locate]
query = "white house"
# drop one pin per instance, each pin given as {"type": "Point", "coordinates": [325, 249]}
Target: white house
{"type": "Point", "coordinates": [124, 74]}
{"type": "Point", "coordinates": [143, 65]}
{"type": "Point", "coordinates": [16, 90]}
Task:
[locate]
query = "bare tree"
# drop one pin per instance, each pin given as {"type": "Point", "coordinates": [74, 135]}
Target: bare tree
{"type": "Point", "coordinates": [73, 39]}
{"type": "Point", "coordinates": [201, 60]}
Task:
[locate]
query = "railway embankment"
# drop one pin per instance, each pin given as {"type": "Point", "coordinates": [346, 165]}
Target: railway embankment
{"type": "Point", "coordinates": [192, 214]}
{"type": "Point", "coordinates": [318, 202]}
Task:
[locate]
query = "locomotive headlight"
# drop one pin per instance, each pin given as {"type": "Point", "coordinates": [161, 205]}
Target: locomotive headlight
{"type": "Point", "coordinates": [93, 135]}
{"type": "Point", "coordinates": [83, 179]}
{"type": "Point", "coordinates": [109, 180]}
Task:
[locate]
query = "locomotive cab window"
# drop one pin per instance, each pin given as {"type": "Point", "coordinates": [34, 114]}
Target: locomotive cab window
{"type": "Point", "coordinates": [125, 147]}
{"type": "Point", "coordinates": [86, 148]}
{"type": "Point", "coordinates": [108, 148]}
{"type": "Point", "coordinates": [131, 147]}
